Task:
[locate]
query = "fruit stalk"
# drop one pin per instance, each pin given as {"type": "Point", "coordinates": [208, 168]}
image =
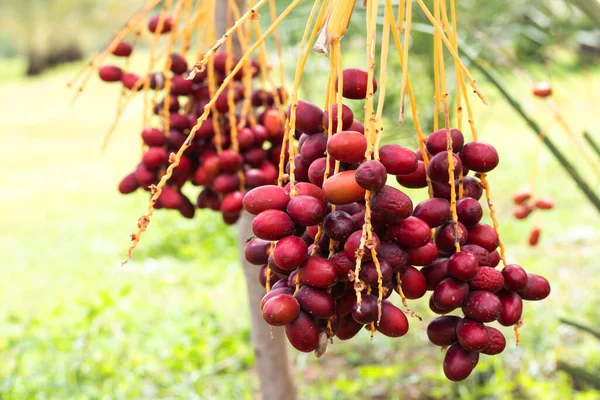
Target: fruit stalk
{"type": "Point", "coordinates": [595, 146]}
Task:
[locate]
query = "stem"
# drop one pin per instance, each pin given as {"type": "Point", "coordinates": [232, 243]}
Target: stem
{"type": "Point", "coordinates": [581, 327]}
{"type": "Point", "coordinates": [593, 144]}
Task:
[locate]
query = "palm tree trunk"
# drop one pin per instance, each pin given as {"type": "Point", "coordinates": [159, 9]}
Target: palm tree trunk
{"type": "Point", "coordinates": [271, 350]}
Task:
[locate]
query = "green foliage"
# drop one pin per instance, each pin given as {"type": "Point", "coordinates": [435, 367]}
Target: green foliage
{"type": "Point", "coordinates": [583, 376]}
{"type": "Point", "coordinates": [52, 32]}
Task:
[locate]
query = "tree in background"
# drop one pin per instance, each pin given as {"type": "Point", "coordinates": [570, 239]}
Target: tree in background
{"type": "Point", "coordinates": [51, 32]}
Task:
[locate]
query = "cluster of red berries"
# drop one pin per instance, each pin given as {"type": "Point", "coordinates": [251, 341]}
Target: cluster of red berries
{"type": "Point", "coordinates": [310, 235]}
{"type": "Point", "coordinates": [525, 204]}
{"type": "Point", "coordinates": [212, 161]}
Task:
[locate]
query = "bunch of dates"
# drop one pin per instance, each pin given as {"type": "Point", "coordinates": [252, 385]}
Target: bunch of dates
{"type": "Point", "coordinates": [309, 235]}
{"type": "Point", "coordinates": [525, 204]}
{"type": "Point", "coordinates": [211, 161]}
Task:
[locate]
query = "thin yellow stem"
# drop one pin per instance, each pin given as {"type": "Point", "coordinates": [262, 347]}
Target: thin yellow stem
{"type": "Point", "coordinates": [454, 54]}
{"type": "Point", "coordinates": [144, 220]}
{"type": "Point", "coordinates": [251, 14]}
{"type": "Point", "coordinates": [407, 33]}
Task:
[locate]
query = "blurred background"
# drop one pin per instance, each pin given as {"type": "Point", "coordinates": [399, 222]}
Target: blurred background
{"type": "Point", "coordinates": [173, 323]}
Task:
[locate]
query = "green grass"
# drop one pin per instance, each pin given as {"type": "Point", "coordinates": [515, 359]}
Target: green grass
{"type": "Point", "coordinates": [173, 323]}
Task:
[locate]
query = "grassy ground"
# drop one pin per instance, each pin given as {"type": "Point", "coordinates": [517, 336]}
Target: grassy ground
{"type": "Point", "coordinates": [173, 323]}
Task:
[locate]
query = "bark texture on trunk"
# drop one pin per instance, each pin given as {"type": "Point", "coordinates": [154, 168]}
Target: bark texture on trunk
{"type": "Point", "coordinates": [271, 349]}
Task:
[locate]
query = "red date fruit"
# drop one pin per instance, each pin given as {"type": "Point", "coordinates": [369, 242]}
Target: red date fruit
{"type": "Point", "coordinates": [459, 363]}
{"type": "Point", "coordinates": [450, 294]}
{"type": "Point", "coordinates": [256, 251]}
{"type": "Point", "coordinates": [437, 143]}
{"type": "Point", "coordinates": [306, 210]}
{"type": "Point", "coordinates": [347, 118]}
{"type": "Point", "coordinates": [472, 335]}
{"type": "Point", "coordinates": [522, 195]}
{"type": "Point", "coordinates": [482, 306]}
{"type": "Point", "coordinates": [343, 265]}
{"type": "Point", "coordinates": [272, 225]}
{"type": "Point", "coordinates": [303, 333]}
{"type": "Point", "coordinates": [308, 189]}
{"type": "Point", "coordinates": [153, 137]}
{"type": "Point", "coordinates": [445, 236]}
{"type": "Point", "coordinates": [368, 310]}
{"type": "Point", "coordinates": [226, 183]}
{"type": "Point", "coordinates": [281, 309]}
{"type": "Point", "coordinates": [534, 236]}
{"type": "Point", "coordinates": [155, 157]}
{"type": "Point", "coordinates": [414, 284]}
{"type": "Point", "coordinates": [545, 203]}
{"type": "Point", "coordinates": [393, 322]}
{"type": "Point", "coordinates": [355, 84]}
{"type": "Point", "coordinates": [398, 160]}
{"type": "Point", "coordinates": [342, 188]}
{"type": "Point", "coordinates": [170, 198]}
{"type": "Point", "coordinates": [483, 235]}
{"type": "Point", "coordinates": [411, 232]}
{"type": "Point", "coordinates": [542, 89]}
{"type": "Point", "coordinates": [110, 73]}
{"type": "Point", "coordinates": [488, 279]}
{"type": "Point", "coordinates": [537, 288]}
{"type": "Point", "coordinates": [494, 258]}
{"type": "Point", "coordinates": [415, 180]}
{"type": "Point", "coordinates": [318, 272]}
{"type": "Point", "coordinates": [522, 211]}
{"type": "Point", "coordinates": [423, 255]}
{"type": "Point", "coordinates": [264, 198]}
{"type": "Point", "coordinates": [442, 330]}
{"type": "Point", "coordinates": [391, 204]}
{"type": "Point", "coordinates": [129, 184]}
{"type": "Point", "coordinates": [314, 147]}
{"type": "Point", "coordinates": [290, 252]}
{"type": "Point", "coordinates": [434, 211]}
{"type": "Point", "coordinates": [481, 254]}
{"type": "Point", "coordinates": [480, 157]}
{"type": "Point", "coordinates": [371, 175]}
{"type": "Point", "coordinates": [347, 147]}
{"type": "Point", "coordinates": [469, 211]}
{"type": "Point", "coordinates": [316, 302]}
{"type": "Point", "coordinates": [123, 49]}
{"type": "Point", "coordinates": [352, 246]}
{"type": "Point", "coordinates": [438, 168]}
{"type": "Point", "coordinates": [395, 255]}
{"type": "Point", "coordinates": [154, 24]}
{"type": "Point", "coordinates": [515, 277]}
{"type": "Point", "coordinates": [348, 329]}
{"type": "Point", "coordinates": [274, 292]}
{"type": "Point", "coordinates": [368, 273]}
{"type": "Point", "coordinates": [512, 308]}
{"type": "Point", "coordinates": [131, 81]}
{"type": "Point", "coordinates": [232, 203]}
{"type": "Point", "coordinates": [435, 273]}
{"type": "Point", "coordinates": [463, 266]}
{"type": "Point", "coordinates": [496, 342]}
{"type": "Point", "coordinates": [230, 161]}
{"type": "Point", "coordinates": [308, 118]}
